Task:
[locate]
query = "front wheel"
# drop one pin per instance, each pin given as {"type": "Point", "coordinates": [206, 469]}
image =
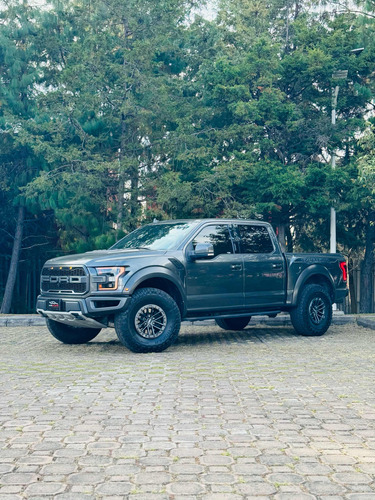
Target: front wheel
{"type": "Point", "coordinates": [71, 334]}
{"type": "Point", "coordinates": [233, 323]}
{"type": "Point", "coordinates": [150, 323]}
{"type": "Point", "coordinates": [313, 314]}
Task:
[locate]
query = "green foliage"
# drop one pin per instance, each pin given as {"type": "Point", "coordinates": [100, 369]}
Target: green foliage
{"type": "Point", "coordinates": [255, 137]}
{"type": "Point", "coordinates": [366, 162]}
{"type": "Point", "coordinates": [113, 113]}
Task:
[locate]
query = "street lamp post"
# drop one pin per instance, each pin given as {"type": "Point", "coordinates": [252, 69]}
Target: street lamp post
{"type": "Point", "coordinates": [337, 75]}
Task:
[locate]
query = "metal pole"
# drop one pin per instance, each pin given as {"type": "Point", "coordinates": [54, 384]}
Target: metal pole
{"type": "Point", "coordinates": [333, 246]}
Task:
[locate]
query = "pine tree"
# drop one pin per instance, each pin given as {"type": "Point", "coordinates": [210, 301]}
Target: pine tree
{"type": "Point", "coordinates": [20, 74]}
{"type": "Point", "coordinates": [109, 112]}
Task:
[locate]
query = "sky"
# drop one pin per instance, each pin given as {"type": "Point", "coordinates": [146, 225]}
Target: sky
{"type": "Point", "coordinates": [209, 11]}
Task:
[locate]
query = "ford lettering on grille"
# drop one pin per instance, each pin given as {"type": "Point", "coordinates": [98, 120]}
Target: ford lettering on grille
{"type": "Point", "coordinates": [64, 280]}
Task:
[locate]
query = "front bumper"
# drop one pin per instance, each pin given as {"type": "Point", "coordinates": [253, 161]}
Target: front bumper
{"type": "Point", "coordinates": [91, 312]}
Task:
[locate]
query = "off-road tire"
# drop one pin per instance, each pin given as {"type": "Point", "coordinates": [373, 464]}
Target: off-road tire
{"type": "Point", "coordinates": [71, 334]}
{"type": "Point", "coordinates": [313, 314]}
{"type": "Point", "coordinates": [233, 323]}
{"type": "Point", "coordinates": [126, 322]}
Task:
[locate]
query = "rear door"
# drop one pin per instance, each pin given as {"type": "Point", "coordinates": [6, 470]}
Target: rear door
{"type": "Point", "coordinates": [264, 266]}
{"type": "Point", "coordinates": [215, 283]}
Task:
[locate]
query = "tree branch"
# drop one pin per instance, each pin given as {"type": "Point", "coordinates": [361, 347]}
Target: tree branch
{"type": "Point", "coordinates": [347, 9]}
{"type": "Point", "coordinates": [37, 236]}
{"type": "Point", "coordinates": [10, 235]}
{"type": "Point", "coordinates": [36, 245]}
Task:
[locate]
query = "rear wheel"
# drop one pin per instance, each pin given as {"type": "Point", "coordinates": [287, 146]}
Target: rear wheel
{"type": "Point", "coordinates": [71, 334]}
{"type": "Point", "coordinates": [313, 314]}
{"type": "Point", "coordinates": [150, 323]}
{"type": "Point", "coordinates": [233, 323]}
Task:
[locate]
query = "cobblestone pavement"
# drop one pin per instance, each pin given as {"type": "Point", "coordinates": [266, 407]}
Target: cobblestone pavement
{"type": "Point", "coordinates": [262, 413]}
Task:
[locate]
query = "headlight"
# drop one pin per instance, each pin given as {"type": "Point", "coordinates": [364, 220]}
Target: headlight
{"type": "Point", "coordinates": [109, 277]}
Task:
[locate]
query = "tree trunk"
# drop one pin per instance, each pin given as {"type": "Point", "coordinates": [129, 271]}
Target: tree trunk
{"type": "Point", "coordinates": [121, 179]}
{"type": "Point", "coordinates": [134, 195]}
{"type": "Point", "coordinates": [297, 8]}
{"type": "Point", "coordinates": [122, 173]}
{"type": "Point", "coordinates": [120, 202]}
{"type": "Point", "coordinates": [9, 287]}
{"type": "Point", "coordinates": [281, 236]}
{"type": "Point", "coordinates": [367, 292]}
{"type": "Point", "coordinates": [289, 239]}
{"type": "Point", "coordinates": [352, 292]}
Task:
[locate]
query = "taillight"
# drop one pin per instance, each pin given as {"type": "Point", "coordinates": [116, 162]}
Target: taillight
{"type": "Point", "coordinates": [344, 271]}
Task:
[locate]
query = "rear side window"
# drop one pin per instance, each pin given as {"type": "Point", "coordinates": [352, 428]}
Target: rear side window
{"type": "Point", "coordinates": [218, 237]}
{"type": "Point", "coordinates": [254, 239]}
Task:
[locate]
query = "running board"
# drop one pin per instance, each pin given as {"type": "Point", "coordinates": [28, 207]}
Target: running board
{"type": "Point", "coordinates": [231, 315]}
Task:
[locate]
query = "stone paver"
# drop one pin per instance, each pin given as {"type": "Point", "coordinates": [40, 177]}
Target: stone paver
{"type": "Point", "coordinates": [262, 413]}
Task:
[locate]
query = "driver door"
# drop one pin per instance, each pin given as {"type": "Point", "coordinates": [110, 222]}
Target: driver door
{"type": "Point", "coordinates": [214, 283]}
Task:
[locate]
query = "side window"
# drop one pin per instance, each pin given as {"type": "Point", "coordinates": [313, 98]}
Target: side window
{"type": "Point", "coordinates": [255, 239]}
{"type": "Point", "coordinates": [218, 237]}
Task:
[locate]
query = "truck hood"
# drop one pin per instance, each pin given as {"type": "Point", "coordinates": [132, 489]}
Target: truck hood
{"type": "Point", "coordinates": [103, 257]}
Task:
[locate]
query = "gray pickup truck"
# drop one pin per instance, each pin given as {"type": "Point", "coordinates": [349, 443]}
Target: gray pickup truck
{"type": "Point", "coordinates": [165, 272]}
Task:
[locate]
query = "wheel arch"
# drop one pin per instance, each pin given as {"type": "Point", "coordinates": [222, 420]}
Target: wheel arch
{"type": "Point", "coordinates": [161, 281]}
{"type": "Point", "coordinates": [314, 275]}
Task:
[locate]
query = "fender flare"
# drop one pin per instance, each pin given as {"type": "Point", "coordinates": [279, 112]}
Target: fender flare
{"type": "Point", "coordinates": [155, 272]}
{"type": "Point", "coordinates": [314, 270]}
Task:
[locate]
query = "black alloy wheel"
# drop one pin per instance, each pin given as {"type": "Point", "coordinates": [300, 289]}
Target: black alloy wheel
{"type": "Point", "coordinates": [150, 323]}
{"type": "Point", "coordinates": [313, 314]}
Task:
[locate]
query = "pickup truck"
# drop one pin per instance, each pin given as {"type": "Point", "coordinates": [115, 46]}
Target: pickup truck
{"type": "Point", "coordinates": [170, 271]}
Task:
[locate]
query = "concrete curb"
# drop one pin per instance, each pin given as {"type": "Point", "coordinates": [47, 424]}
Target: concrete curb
{"type": "Point", "coordinates": [22, 320]}
{"type": "Point", "coordinates": [280, 320]}
{"type": "Point", "coordinates": [366, 322]}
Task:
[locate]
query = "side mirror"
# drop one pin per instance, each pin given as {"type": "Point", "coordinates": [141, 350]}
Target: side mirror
{"type": "Point", "coordinates": [202, 251]}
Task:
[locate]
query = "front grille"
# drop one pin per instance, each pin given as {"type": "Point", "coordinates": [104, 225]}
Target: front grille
{"type": "Point", "coordinates": [65, 279]}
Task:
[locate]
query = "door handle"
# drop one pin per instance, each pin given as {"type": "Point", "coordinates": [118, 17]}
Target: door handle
{"type": "Point", "coordinates": [238, 267]}
{"type": "Point", "coordinates": [278, 267]}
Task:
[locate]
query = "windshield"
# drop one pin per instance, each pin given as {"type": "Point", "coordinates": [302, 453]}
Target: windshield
{"type": "Point", "coordinates": [156, 236]}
